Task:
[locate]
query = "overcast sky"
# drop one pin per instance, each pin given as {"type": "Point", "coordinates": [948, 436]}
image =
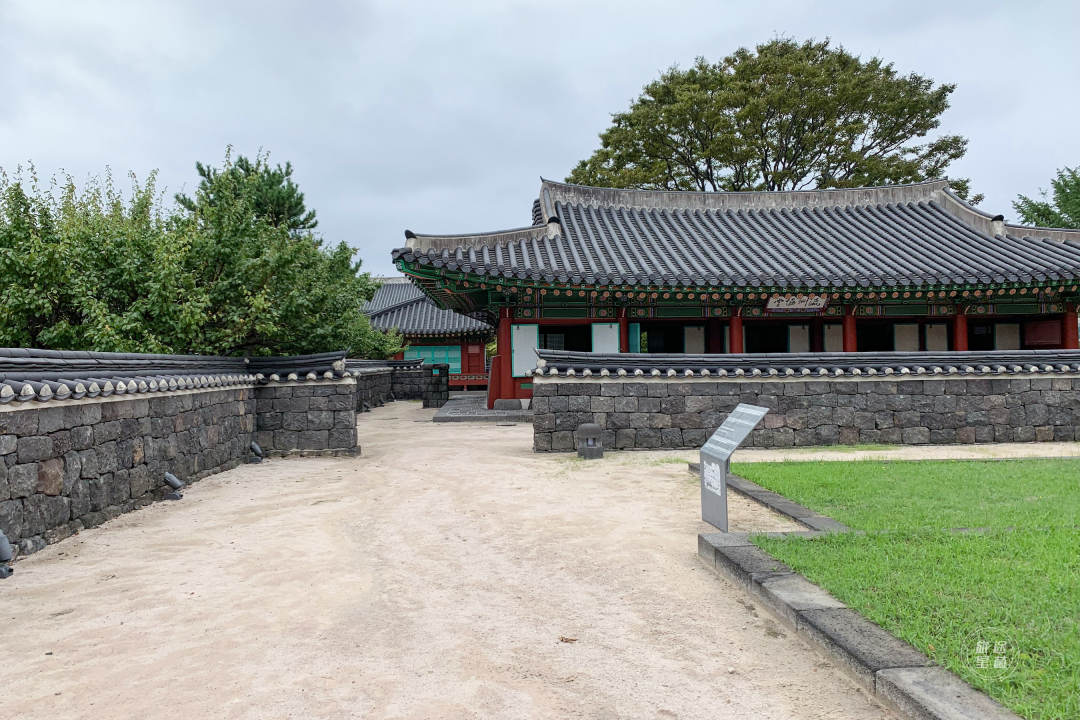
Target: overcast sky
{"type": "Point", "coordinates": [441, 117]}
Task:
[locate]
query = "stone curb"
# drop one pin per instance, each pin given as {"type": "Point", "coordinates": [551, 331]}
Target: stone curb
{"type": "Point", "coordinates": [780, 504]}
{"type": "Point", "coordinates": [888, 668]}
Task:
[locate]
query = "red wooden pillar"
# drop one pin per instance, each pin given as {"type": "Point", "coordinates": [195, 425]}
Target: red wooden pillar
{"type": "Point", "coordinates": [960, 331]}
{"type": "Point", "coordinates": [624, 331]}
{"type": "Point", "coordinates": [735, 334]}
{"type": "Point", "coordinates": [851, 337]}
{"type": "Point", "coordinates": [1070, 333]}
{"type": "Point", "coordinates": [506, 364]}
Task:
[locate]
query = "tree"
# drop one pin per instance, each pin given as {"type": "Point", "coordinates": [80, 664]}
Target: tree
{"type": "Point", "coordinates": [786, 116]}
{"type": "Point", "coordinates": [276, 197]}
{"type": "Point", "coordinates": [89, 270]}
{"type": "Point", "coordinates": [1063, 211]}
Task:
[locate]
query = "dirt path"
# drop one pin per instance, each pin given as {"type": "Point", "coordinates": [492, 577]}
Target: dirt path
{"type": "Point", "coordinates": [431, 578]}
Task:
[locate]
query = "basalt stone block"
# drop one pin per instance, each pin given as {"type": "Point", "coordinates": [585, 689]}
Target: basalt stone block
{"type": "Point", "coordinates": [985, 434]}
{"type": "Point", "coordinates": [562, 441]}
{"type": "Point", "coordinates": [915, 436]}
{"type": "Point", "coordinates": [340, 402]}
{"type": "Point", "coordinates": [694, 437]}
{"type": "Point", "coordinates": [545, 389]}
{"type": "Point", "coordinates": [826, 400]}
{"type": "Point", "coordinates": [108, 460]}
{"type": "Point", "coordinates": [892, 436]}
{"type": "Point", "coordinates": [816, 416]}
{"type": "Point", "coordinates": [626, 404]}
{"type": "Point", "coordinates": [50, 479]}
{"type": "Point", "coordinates": [297, 421]}
{"type": "Point", "coordinates": [318, 402]}
{"type": "Point", "coordinates": [119, 486]}
{"type": "Point", "coordinates": [625, 439]}
{"type": "Point", "coordinates": [907, 419]}
{"type": "Point", "coordinates": [579, 403]}
{"type": "Point", "coordinates": [686, 421]}
{"type": "Point", "coordinates": [344, 419]}
{"type": "Point", "coordinates": [657, 390]}
{"type": "Point", "coordinates": [313, 440]}
{"type": "Point", "coordinates": [671, 438]}
{"type": "Point", "coordinates": [648, 405]}
{"type": "Point", "coordinates": [601, 404]}
{"type": "Point", "coordinates": [849, 436]}
{"type": "Point", "coordinates": [648, 438]}
{"type": "Point", "coordinates": [21, 422]}
{"type": "Point", "coordinates": [542, 442]}
{"type": "Point", "coordinates": [898, 402]}
{"type": "Point", "coordinates": [286, 440]}
{"type": "Point", "coordinates": [339, 438]}
{"type": "Point", "coordinates": [42, 512]}
{"type": "Point", "coordinates": [673, 405]}
{"type": "Point", "coordinates": [611, 389]}
{"type": "Point", "coordinates": [320, 420]}
{"type": "Point", "coordinates": [34, 448]}
{"type": "Point", "coordinates": [544, 423]}
{"type": "Point", "coordinates": [943, 436]}
{"type": "Point", "coordinates": [99, 492]}
{"type": "Point", "coordinates": [559, 404]}
{"type": "Point", "coordinates": [1041, 384]}
{"type": "Point", "coordinates": [782, 437]}
{"type": "Point", "coordinates": [8, 444]}
{"type": "Point", "coordinates": [566, 422]}
{"type": "Point", "coordinates": [22, 480]}
{"type": "Point", "coordinates": [11, 519]}
{"type": "Point", "coordinates": [659, 421]}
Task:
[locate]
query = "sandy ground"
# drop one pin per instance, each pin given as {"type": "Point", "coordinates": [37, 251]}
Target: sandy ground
{"type": "Point", "coordinates": [434, 577]}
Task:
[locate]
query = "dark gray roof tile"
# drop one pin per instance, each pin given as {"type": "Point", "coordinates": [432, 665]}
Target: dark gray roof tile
{"type": "Point", "coordinates": [909, 235]}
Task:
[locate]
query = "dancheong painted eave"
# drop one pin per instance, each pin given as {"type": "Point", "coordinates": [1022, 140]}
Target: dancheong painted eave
{"type": "Point", "coordinates": [917, 238]}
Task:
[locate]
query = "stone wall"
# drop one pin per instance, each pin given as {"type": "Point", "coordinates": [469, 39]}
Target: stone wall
{"type": "Point", "coordinates": [71, 465]}
{"type": "Point", "coordinates": [429, 383]}
{"type": "Point", "coordinates": [662, 414]}
{"type": "Point", "coordinates": [373, 388]}
{"type": "Point", "coordinates": [308, 418]}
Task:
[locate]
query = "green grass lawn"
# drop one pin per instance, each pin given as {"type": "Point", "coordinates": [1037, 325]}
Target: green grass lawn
{"type": "Point", "coordinates": [934, 587]}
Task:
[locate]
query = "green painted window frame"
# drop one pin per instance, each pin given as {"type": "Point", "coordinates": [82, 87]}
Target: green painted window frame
{"type": "Point", "coordinates": [436, 355]}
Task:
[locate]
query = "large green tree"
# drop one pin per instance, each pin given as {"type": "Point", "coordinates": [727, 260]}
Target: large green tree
{"type": "Point", "coordinates": [784, 116]}
{"type": "Point", "coordinates": [90, 270]}
{"type": "Point", "coordinates": [1062, 210]}
{"type": "Point", "coordinates": [274, 195]}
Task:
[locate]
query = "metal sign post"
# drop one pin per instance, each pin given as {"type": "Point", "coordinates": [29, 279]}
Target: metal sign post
{"type": "Point", "coordinates": [716, 461]}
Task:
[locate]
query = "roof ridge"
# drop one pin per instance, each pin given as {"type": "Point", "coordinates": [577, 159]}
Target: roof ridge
{"type": "Point", "coordinates": [555, 192]}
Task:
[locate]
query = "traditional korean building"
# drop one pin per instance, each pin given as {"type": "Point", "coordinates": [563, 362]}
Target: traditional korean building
{"type": "Point", "coordinates": [434, 334]}
{"type": "Point", "coordinates": [905, 268]}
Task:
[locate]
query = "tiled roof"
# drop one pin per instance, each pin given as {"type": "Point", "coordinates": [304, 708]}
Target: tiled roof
{"type": "Point", "coordinates": [44, 375]}
{"type": "Point", "coordinates": [866, 237]}
{"type": "Point", "coordinates": [796, 365]}
{"type": "Point", "coordinates": [400, 305]}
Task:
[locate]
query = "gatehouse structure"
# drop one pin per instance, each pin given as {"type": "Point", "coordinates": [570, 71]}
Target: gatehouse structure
{"type": "Point", "coordinates": [435, 335]}
{"type": "Point", "coordinates": [900, 268]}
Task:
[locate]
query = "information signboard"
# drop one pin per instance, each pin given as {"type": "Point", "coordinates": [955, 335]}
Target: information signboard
{"type": "Point", "coordinates": [716, 459]}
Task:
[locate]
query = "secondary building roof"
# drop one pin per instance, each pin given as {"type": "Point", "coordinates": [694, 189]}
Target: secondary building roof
{"type": "Point", "coordinates": [400, 305]}
{"type": "Point", "coordinates": [919, 235]}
